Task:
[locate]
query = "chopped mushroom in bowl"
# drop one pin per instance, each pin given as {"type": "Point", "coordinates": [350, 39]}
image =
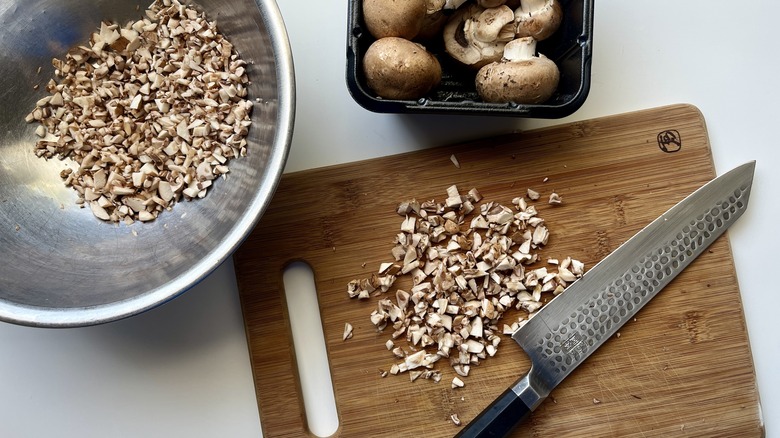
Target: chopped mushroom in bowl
{"type": "Point", "coordinates": [134, 157]}
{"type": "Point", "coordinates": [464, 36]}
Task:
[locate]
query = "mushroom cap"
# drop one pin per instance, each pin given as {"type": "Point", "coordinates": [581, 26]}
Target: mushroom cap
{"type": "Point", "coordinates": [476, 36]}
{"type": "Point", "coordinates": [540, 23]}
{"type": "Point", "coordinates": [527, 81]}
{"type": "Point", "coordinates": [396, 68]}
{"type": "Point", "coordinates": [399, 18]}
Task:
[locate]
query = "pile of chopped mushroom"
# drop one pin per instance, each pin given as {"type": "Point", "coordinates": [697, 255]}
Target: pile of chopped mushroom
{"type": "Point", "coordinates": [476, 33]}
{"type": "Point", "coordinates": [150, 113]}
{"type": "Point", "coordinates": [466, 273]}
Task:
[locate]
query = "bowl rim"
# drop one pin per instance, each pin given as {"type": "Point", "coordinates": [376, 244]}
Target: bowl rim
{"type": "Point", "coordinates": [50, 317]}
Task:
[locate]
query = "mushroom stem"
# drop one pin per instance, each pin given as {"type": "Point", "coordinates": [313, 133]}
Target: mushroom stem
{"type": "Point", "coordinates": [520, 49]}
{"type": "Point", "coordinates": [531, 6]}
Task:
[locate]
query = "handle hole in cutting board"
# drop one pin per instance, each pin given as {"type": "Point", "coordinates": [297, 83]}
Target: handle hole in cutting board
{"type": "Point", "coordinates": [310, 352]}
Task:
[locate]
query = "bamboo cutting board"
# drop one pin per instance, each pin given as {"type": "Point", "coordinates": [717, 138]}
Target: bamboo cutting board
{"type": "Point", "coordinates": [682, 368]}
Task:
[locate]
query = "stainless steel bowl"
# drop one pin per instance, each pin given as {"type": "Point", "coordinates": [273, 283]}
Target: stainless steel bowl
{"type": "Point", "coordinates": [59, 265]}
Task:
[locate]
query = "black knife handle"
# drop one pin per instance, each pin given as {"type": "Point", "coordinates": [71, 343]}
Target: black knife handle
{"type": "Point", "coordinates": [498, 419]}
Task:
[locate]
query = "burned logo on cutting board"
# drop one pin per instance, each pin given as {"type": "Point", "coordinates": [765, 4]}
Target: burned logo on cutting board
{"type": "Point", "coordinates": [670, 141]}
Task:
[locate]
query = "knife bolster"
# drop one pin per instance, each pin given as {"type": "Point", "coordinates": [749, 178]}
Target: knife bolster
{"type": "Point", "coordinates": [531, 390]}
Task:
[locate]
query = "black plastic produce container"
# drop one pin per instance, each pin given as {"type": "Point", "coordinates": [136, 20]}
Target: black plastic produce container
{"type": "Point", "coordinates": [570, 47]}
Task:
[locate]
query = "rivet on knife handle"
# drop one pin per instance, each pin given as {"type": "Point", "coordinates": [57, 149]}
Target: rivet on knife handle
{"type": "Point", "coordinates": [574, 324]}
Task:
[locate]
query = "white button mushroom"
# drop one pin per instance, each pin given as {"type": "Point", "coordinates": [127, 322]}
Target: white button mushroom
{"type": "Point", "coordinates": [521, 76]}
{"type": "Point", "coordinates": [397, 68]}
{"type": "Point", "coordinates": [476, 36]}
{"type": "Point", "coordinates": [538, 18]}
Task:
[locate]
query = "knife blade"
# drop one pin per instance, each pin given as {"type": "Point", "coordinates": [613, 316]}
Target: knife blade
{"type": "Point", "coordinates": [577, 322]}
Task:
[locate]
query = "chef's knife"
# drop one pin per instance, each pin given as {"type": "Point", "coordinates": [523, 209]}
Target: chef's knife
{"type": "Point", "coordinates": [592, 309]}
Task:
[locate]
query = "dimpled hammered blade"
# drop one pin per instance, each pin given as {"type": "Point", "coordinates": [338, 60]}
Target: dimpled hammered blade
{"type": "Point", "coordinates": [574, 324]}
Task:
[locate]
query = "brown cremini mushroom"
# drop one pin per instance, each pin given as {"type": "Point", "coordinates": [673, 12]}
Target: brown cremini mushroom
{"type": "Point", "coordinates": [521, 77]}
{"type": "Point", "coordinates": [538, 18]}
{"type": "Point", "coordinates": [476, 36]}
{"type": "Point", "coordinates": [397, 68]}
{"type": "Point", "coordinates": [434, 20]}
{"type": "Point", "coordinates": [397, 18]}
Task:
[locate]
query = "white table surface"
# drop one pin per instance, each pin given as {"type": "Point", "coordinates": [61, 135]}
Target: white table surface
{"type": "Point", "coordinates": [182, 370]}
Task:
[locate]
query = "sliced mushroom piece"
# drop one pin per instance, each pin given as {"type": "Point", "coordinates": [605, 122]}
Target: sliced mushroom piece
{"type": "Point", "coordinates": [521, 77]}
{"type": "Point", "coordinates": [415, 360]}
{"type": "Point", "coordinates": [555, 199]}
{"type": "Point", "coordinates": [99, 211]}
{"type": "Point", "coordinates": [538, 18]}
{"type": "Point", "coordinates": [457, 383]}
{"type": "Point", "coordinates": [577, 267]}
{"type": "Point", "coordinates": [347, 331]}
{"type": "Point", "coordinates": [475, 36]}
{"type": "Point", "coordinates": [145, 216]}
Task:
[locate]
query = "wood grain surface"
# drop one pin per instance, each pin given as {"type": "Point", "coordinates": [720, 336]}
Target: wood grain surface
{"type": "Point", "coordinates": [682, 368]}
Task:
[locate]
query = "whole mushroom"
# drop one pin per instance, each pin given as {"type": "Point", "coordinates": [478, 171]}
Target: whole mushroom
{"type": "Point", "coordinates": [394, 18]}
{"type": "Point", "coordinates": [521, 77]}
{"type": "Point", "coordinates": [475, 36]}
{"type": "Point", "coordinates": [538, 18]}
{"type": "Point", "coordinates": [434, 21]}
{"type": "Point", "coordinates": [396, 68]}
